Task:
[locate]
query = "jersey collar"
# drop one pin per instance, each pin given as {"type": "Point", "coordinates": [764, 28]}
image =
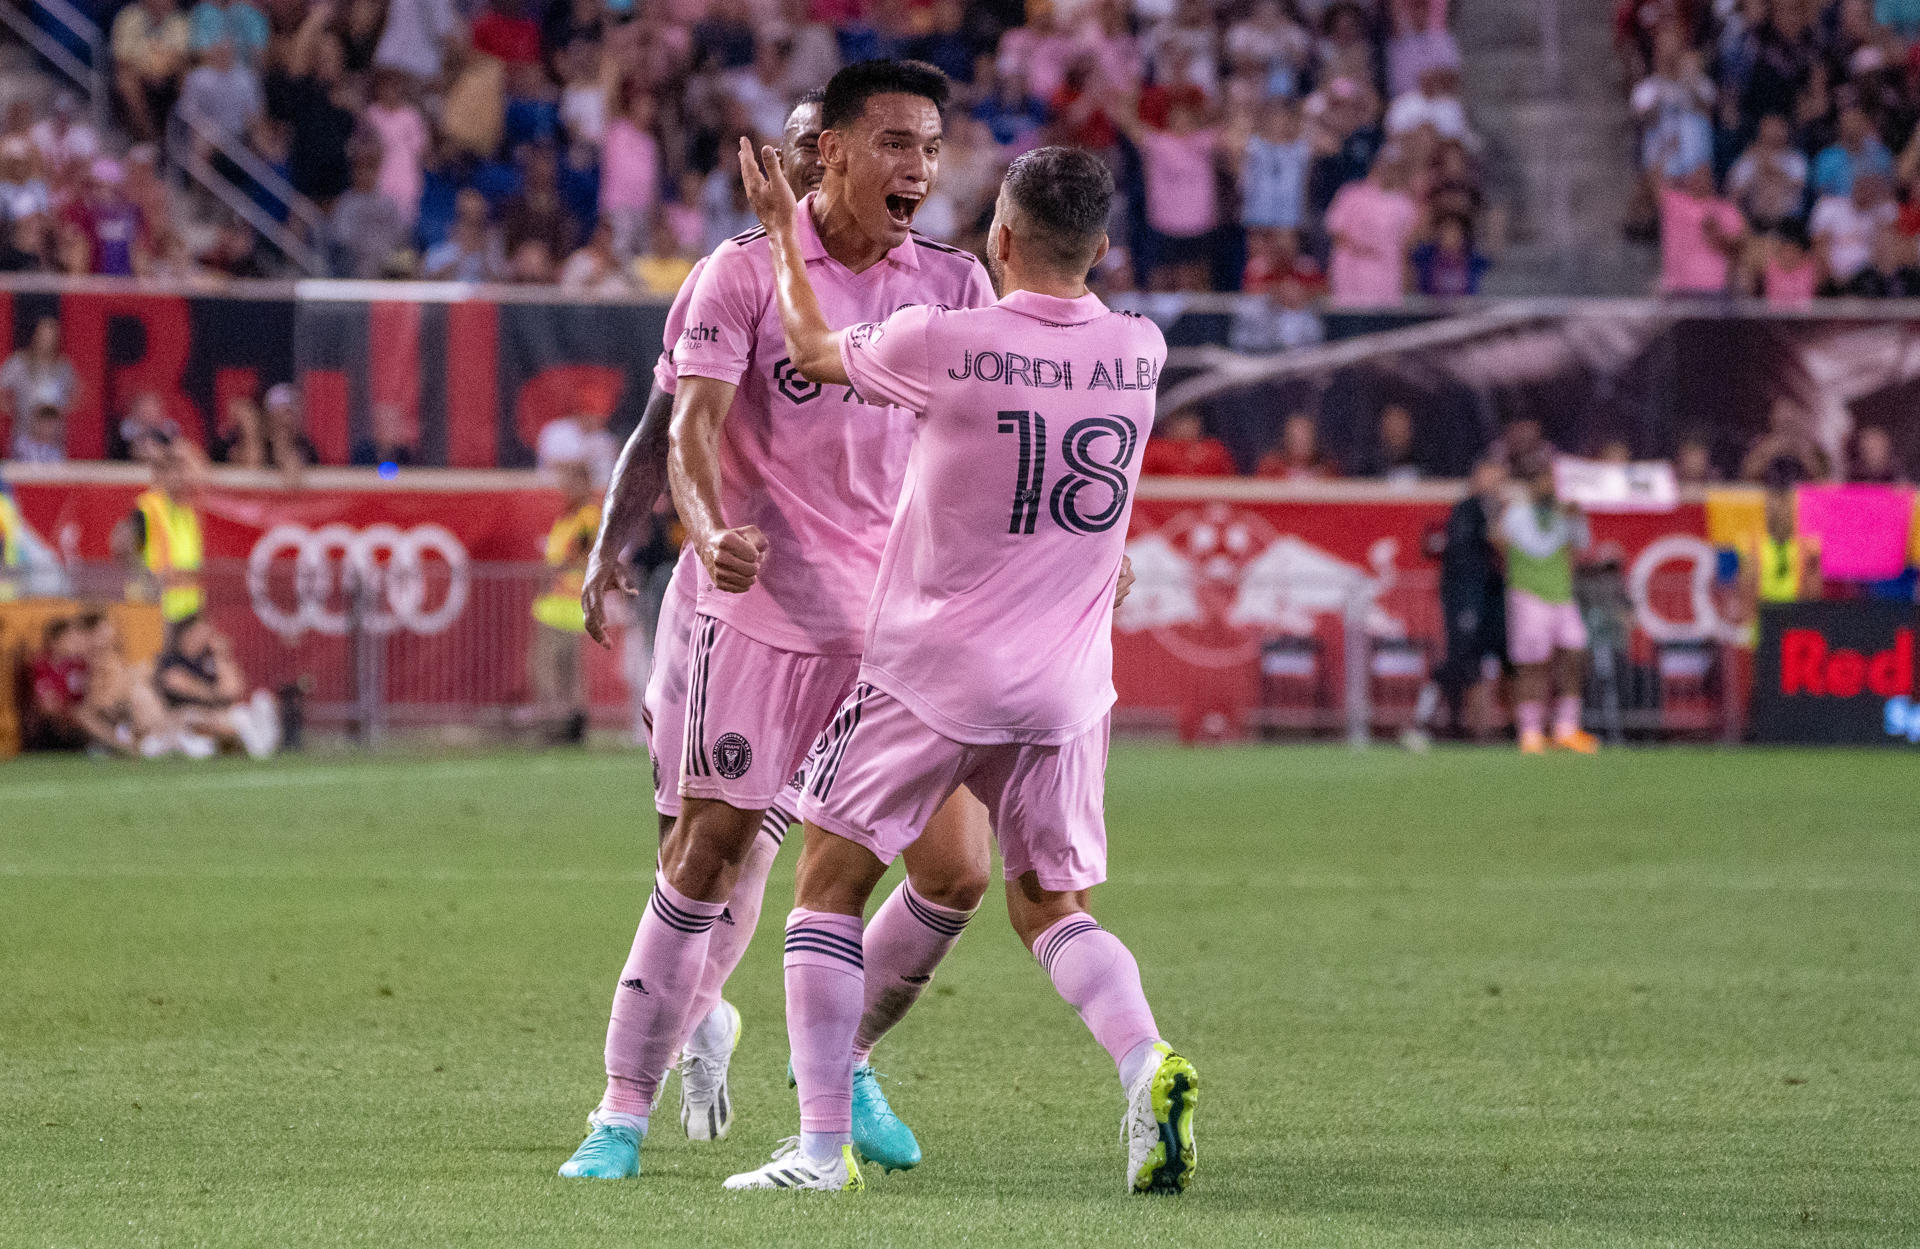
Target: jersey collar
{"type": "Point", "coordinates": [1052, 308]}
{"type": "Point", "coordinates": [905, 256]}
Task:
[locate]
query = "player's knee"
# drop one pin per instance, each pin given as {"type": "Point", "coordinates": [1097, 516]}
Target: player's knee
{"type": "Point", "coordinates": [958, 887]}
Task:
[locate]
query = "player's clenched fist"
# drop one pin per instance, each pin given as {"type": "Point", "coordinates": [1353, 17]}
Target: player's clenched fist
{"type": "Point", "coordinates": [733, 557]}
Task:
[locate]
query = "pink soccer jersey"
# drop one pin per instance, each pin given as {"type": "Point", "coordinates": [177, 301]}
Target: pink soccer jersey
{"type": "Point", "coordinates": [992, 619]}
{"type": "Point", "coordinates": [663, 372]}
{"type": "Point", "coordinates": [814, 467]}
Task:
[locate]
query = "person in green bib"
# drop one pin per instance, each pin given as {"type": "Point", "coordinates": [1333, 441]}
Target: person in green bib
{"type": "Point", "coordinates": [1546, 639]}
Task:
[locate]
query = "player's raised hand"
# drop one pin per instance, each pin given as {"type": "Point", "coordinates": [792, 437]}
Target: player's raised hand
{"type": "Point", "coordinates": [768, 192]}
{"type": "Point", "coordinates": [733, 557]}
{"type": "Point", "coordinates": [603, 574]}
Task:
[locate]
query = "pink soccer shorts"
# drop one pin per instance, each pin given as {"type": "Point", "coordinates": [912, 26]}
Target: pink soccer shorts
{"type": "Point", "coordinates": [752, 713]}
{"type": "Point", "coordinates": [880, 773]}
{"type": "Point", "coordinates": [1537, 628]}
{"type": "Point", "coordinates": [666, 698]}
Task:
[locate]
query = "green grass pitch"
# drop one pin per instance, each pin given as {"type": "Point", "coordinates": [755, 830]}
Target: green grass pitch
{"type": "Point", "coordinates": [1653, 998]}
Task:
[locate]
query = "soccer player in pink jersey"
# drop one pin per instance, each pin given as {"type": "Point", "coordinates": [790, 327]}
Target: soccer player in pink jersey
{"type": "Point", "coordinates": [813, 474]}
{"type": "Point", "coordinates": [988, 660]}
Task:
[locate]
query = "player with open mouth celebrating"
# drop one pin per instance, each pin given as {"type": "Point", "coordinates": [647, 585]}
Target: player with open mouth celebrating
{"type": "Point", "coordinates": [787, 488]}
{"type": "Point", "coordinates": [988, 660]}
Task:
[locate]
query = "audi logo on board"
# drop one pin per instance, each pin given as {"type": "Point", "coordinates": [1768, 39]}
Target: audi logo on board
{"type": "Point", "coordinates": [331, 561]}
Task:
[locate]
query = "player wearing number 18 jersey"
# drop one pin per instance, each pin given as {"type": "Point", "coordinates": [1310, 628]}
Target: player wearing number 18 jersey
{"type": "Point", "coordinates": [988, 660]}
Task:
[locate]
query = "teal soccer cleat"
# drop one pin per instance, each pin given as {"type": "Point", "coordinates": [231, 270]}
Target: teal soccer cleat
{"type": "Point", "coordinates": [878, 1134]}
{"type": "Point", "coordinates": [610, 1152]}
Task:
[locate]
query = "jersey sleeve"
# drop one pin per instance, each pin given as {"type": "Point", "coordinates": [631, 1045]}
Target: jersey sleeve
{"type": "Point", "coordinates": [979, 287]}
{"type": "Point", "coordinates": [887, 360]}
{"type": "Point", "coordinates": [721, 318]}
{"type": "Point", "coordinates": [665, 376]}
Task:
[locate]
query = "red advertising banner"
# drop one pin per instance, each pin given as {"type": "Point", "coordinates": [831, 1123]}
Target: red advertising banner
{"type": "Point", "coordinates": [1225, 570]}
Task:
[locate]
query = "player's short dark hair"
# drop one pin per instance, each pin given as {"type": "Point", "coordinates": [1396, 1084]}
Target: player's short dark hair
{"type": "Point", "coordinates": [1064, 196]}
{"type": "Point", "coordinates": [814, 95]}
{"type": "Point", "coordinates": [849, 90]}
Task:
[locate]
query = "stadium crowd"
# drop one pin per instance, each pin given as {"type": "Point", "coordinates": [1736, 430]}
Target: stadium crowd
{"type": "Point", "coordinates": [1307, 146]}
{"type": "Point", "coordinates": [1779, 144]}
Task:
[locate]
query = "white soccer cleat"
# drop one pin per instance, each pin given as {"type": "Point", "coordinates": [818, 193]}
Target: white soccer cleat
{"type": "Point", "coordinates": [257, 724]}
{"type": "Point", "coordinates": [789, 1170]}
{"type": "Point", "coordinates": [706, 1109]}
{"type": "Point", "coordinates": [1158, 1127]}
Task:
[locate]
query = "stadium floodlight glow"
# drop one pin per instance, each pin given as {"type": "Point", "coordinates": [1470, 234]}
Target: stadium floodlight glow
{"type": "Point", "coordinates": [331, 562]}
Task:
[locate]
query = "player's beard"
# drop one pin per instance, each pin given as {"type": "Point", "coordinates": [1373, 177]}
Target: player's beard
{"type": "Point", "coordinates": [994, 271]}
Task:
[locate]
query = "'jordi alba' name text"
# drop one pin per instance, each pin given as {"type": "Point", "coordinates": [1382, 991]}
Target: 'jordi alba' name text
{"type": "Point", "coordinates": [1037, 371]}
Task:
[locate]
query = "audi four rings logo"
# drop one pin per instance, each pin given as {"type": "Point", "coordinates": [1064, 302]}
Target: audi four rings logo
{"type": "Point", "coordinates": [330, 561]}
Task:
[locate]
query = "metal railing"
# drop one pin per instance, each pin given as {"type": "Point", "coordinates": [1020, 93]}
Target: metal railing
{"type": "Point", "coordinates": [189, 139]}
{"type": "Point", "coordinates": [90, 75]}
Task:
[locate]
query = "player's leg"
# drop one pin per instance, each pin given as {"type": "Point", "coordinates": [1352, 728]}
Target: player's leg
{"type": "Point", "coordinates": [1569, 671]}
{"type": "Point", "coordinates": [1530, 645]}
{"type": "Point", "coordinates": [877, 779]}
{"type": "Point", "coordinates": [1048, 810]}
{"type": "Point", "coordinates": [911, 932]}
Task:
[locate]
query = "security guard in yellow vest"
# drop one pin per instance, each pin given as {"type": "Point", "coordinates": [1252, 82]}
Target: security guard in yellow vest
{"type": "Point", "coordinates": [13, 546]}
{"type": "Point", "coordinates": [163, 535]}
{"type": "Point", "coordinates": [1779, 564]}
{"type": "Point", "coordinates": [559, 689]}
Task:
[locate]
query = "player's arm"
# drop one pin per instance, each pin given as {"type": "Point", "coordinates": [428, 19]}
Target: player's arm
{"type": "Point", "coordinates": [813, 347]}
{"type": "Point", "coordinates": [638, 477]}
{"type": "Point", "coordinates": [732, 556]}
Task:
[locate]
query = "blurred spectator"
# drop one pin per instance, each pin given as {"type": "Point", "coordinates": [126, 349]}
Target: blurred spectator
{"type": "Point", "coordinates": [319, 104]}
{"type": "Point", "coordinates": [146, 432]}
{"type": "Point", "coordinates": [107, 220]}
{"type": "Point", "coordinates": [1270, 42]}
{"type": "Point", "coordinates": [57, 677]}
{"type": "Point", "coordinates": [63, 138]}
{"type": "Point", "coordinates": [1274, 259]}
{"type": "Point", "coordinates": [1521, 442]}
{"type": "Point", "coordinates": [236, 251]}
{"type": "Point", "coordinates": [1788, 451]}
{"type": "Point", "coordinates": [241, 441]}
{"type": "Point", "coordinates": [417, 36]}
{"type": "Point", "coordinates": [1872, 459]}
{"type": "Point", "coordinates": [1769, 181]}
{"type": "Point", "coordinates": [287, 441]}
{"type": "Point", "coordinates": [1182, 209]}
{"type": "Point", "coordinates": [1370, 223]}
{"type": "Point", "coordinates": [39, 376]}
{"type": "Point", "coordinates": [402, 132]}
{"type": "Point", "coordinates": [1790, 273]}
{"type": "Point", "coordinates": [150, 40]}
{"type": "Point", "coordinates": [205, 692]}
{"type": "Point", "coordinates": [232, 22]}
{"type": "Point", "coordinates": [395, 441]}
{"type": "Point", "coordinates": [1843, 228]}
{"type": "Point", "coordinates": [1393, 460]}
{"type": "Point", "coordinates": [1447, 265]}
{"type": "Point", "coordinates": [366, 226]}
{"type": "Point", "coordinates": [41, 437]}
{"type": "Point", "coordinates": [1473, 594]}
{"type": "Point", "coordinates": [595, 269]}
{"type": "Point", "coordinates": [23, 245]}
{"type": "Point", "coordinates": [222, 94]}
{"type": "Point", "coordinates": [1693, 463]}
{"type": "Point", "coordinates": [1856, 150]}
{"type": "Point", "coordinates": [1436, 104]}
{"type": "Point", "coordinates": [663, 267]}
{"type": "Point", "coordinates": [1298, 456]}
{"type": "Point", "coordinates": [1273, 170]}
{"type": "Point", "coordinates": [1179, 447]}
{"type": "Point", "coordinates": [471, 252]}
{"type": "Point", "coordinates": [122, 713]}
{"type": "Point", "coordinates": [1673, 105]}
{"type": "Point", "coordinates": [581, 437]}
{"type": "Point", "coordinates": [23, 192]}
{"type": "Point", "coordinates": [630, 172]}
{"type": "Point", "coordinates": [1281, 320]}
{"type": "Point", "coordinates": [1421, 41]}
{"type": "Point", "coordinates": [535, 213]}
{"type": "Point", "coordinates": [1891, 273]}
{"type": "Point", "coordinates": [1700, 234]}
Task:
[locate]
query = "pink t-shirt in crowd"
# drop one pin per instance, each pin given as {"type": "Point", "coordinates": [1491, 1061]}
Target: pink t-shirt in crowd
{"type": "Point", "coordinates": [992, 619]}
{"type": "Point", "coordinates": [629, 168]}
{"type": "Point", "coordinates": [1792, 286]}
{"type": "Point", "coordinates": [1689, 262]}
{"type": "Point", "coordinates": [815, 468]}
{"type": "Point", "coordinates": [1371, 226]}
{"type": "Point", "coordinates": [1181, 199]}
{"type": "Point", "coordinates": [403, 145]}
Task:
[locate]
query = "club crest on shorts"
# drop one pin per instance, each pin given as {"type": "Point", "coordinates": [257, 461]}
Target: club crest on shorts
{"type": "Point", "coordinates": [732, 756]}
